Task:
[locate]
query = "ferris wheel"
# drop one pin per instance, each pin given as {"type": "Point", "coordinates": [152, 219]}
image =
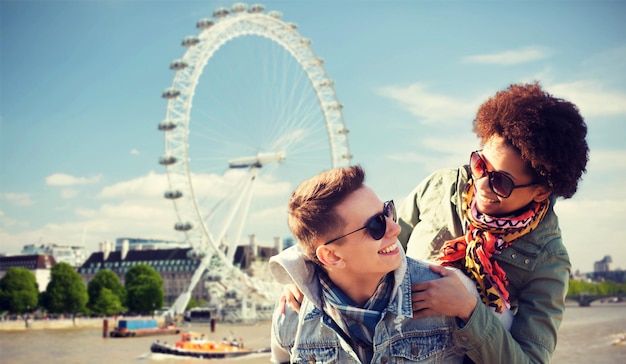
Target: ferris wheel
{"type": "Point", "coordinates": [265, 117]}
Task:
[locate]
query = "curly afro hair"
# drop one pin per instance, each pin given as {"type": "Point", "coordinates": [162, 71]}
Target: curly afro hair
{"type": "Point", "coordinates": [548, 132]}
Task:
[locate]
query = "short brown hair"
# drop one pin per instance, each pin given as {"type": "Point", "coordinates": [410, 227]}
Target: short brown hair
{"type": "Point", "coordinates": [312, 215]}
{"type": "Point", "coordinates": [548, 132]}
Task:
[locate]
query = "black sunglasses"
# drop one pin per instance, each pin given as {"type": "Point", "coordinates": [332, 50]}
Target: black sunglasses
{"type": "Point", "coordinates": [501, 184]}
{"type": "Point", "coordinates": [377, 225]}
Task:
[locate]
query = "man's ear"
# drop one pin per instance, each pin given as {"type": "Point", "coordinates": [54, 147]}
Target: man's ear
{"type": "Point", "coordinates": [326, 255]}
{"type": "Point", "coordinates": [542, 193]}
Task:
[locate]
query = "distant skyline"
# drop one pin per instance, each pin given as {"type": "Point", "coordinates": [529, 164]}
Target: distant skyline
{"type": "Point", "coordinates": [80, 87]}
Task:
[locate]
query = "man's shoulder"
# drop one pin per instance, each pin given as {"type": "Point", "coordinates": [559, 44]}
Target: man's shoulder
{"type": "Point", "coordinates": [289, 323]}
{"type": "Point", "coordinates": [419, 270]}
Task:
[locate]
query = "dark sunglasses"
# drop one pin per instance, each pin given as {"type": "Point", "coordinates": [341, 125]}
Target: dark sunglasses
{"type": "Point", "coordinates": [501, 184]}
{"type": "Point", "coordinates": [377, 225]}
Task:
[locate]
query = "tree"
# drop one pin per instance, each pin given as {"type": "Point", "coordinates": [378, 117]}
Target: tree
{"type": "Point", "coordinates": [144, 289]}
{"type": "Point", "coordinates": [194, 303]}
{"type": "Point", "coordinates": [106, 303]}
{"type": "Point", "coordinates": [106, 280]}
{"type": "Point", "coordinates": [18, 291]}
{"type": "Point", "coordinates": [603, 288]}
{"type": "Point", "coordinates": [66, 292]}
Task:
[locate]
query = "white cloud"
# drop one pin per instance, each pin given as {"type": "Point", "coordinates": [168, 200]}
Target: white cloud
{"type": "Point", "coordinates": [409, 157]}
{"type": "Point", "coordinates": [18, 199]}
{"type": "Point", "coordinates": [216, 186]}
{"type": "Point", "coordinates": [85, 212]}
{"type": "Point", "coordinates": [151, 185]}
{"type": "Point", "coordinates": [145, 218]}
{"type": "Point", "coordinates": [435, 153]}
{"type": "Point", "coordinates": [148, 210]}
{"type": "Point", "coordinates": [134, 152]}
{"type": "Point", "coordinates": [430, 107]}
{"type": "Point", "coordinates": [523, 55]}
{"type": "Point", "coordinates": [591, 97]}
{"type": "Point", "coordinates": [589, 243]}
{"type": "Point", "coordinates": [62, 179]}
{"type": "Point", "coordinates": [69, 193]}
{"type": "Point", "coordinates": [137, 208]}
{"type": "Point", "coordinates": [603, 161]}
{"type": "Point", "coordinates": [462, 140]}
{"type": "Point", "coordinates": [8, 222]}
{"type": "Point", "coordinates": [606, 173]}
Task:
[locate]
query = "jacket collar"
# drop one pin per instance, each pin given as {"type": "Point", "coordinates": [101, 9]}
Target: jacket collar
{"type": "Point", "coordinates": [292, 266]}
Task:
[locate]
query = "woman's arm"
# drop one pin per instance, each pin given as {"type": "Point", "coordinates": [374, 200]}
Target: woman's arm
{"type": "Point", "coordinates": [532, 338]}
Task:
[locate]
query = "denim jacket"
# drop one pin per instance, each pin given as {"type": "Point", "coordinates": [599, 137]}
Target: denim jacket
{"type": "Point", "coordinates": [312, 337]}
{"type": "Point", "coordinates": [537, 266]}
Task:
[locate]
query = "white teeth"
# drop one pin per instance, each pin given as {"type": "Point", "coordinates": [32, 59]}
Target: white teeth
{"type": "Point", "coordinates": [487, 199]}
{"type": "Point", "coordinates": [389, 249]}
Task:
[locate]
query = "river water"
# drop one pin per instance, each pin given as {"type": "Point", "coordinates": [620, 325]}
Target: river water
{"type": "Point", "coordinates": [587, 335]}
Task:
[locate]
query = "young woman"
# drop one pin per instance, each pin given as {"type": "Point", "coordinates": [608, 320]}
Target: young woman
{"type": "Point", "coordinates": [494, 220]}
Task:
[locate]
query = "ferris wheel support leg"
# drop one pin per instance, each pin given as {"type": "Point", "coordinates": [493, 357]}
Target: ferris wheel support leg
{"type": "Point", "coordinates": [243, 217]}
{"type": "Point", "coordinates": [231, 216]}
{"type": "Point", "coordinates": [180, 304]}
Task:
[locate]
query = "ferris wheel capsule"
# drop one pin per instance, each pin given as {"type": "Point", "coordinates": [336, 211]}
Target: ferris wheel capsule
{"type": "Point", "coordinates": [239, 8]}
{"type": "Point", "coordinates": [167, 160]}
{"type": "Point", "coordinates": [317, 62]}
{"type": "Point", "coordinates": [173, 194]}
{"type": "Point", "coordinates": [212, 277]}
{"type": "Point", "coordinates": [178, 65]}
{"type": "Point", "coordinates": [183, 226]}
{"type": "Point", "coordinates": [190, 41]}
{"type": "Point", "coordinates": [334, 106]}
{"type": "Point", "coordinates": [170, 93]}
{"type": "Point", "coordinates": [195, 254]}
{"type": "Point", "coordinates": [205, 23]}
{"type": "Point", "coordinates": [167, 125]}
{"type": "Point", "coordinates": [220, 13]}
{"type": "Point", "coordinates": [275, 14]}
{"type": "Point", "coordinates": [256, 8]}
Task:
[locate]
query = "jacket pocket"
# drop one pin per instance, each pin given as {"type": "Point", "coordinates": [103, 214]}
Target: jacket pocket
{"type": "Point", "coordinates": [315, 355]}
{"type": "Point", "coordinates": [425, 349]}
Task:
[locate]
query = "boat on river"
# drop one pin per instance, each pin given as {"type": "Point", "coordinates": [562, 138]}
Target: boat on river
{"type": "Point", "coordinates": [131, 328]}
{"type": "Point", "coordinates": [198, 345]}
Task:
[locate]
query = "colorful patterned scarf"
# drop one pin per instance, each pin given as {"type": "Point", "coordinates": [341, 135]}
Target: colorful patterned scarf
{"type": "Point", "coordinates": [485, 237]}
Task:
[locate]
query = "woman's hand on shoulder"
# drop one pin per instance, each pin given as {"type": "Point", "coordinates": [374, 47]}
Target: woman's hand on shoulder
{"type": "Point", "coordinates": [291, 296]}
{"type": "Point", "coordinates": [446, 296]}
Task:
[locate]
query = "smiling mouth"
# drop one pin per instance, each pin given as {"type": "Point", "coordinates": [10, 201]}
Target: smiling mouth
{"type": "Point", "coordinates": [390, 249]}
{"type": "Point", "coordinates": [487, 200]}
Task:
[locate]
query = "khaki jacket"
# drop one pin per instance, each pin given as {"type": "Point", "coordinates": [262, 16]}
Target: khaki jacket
{"type": "Point", "coordinates": [537, 267]}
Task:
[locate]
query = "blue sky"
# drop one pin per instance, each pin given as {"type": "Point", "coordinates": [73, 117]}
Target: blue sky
{"type": "Point", "coordinates": [81, 84]}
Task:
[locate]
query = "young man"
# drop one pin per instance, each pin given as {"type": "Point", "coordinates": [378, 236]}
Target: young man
{"type": "Point", "coordinates": [356, 306]}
